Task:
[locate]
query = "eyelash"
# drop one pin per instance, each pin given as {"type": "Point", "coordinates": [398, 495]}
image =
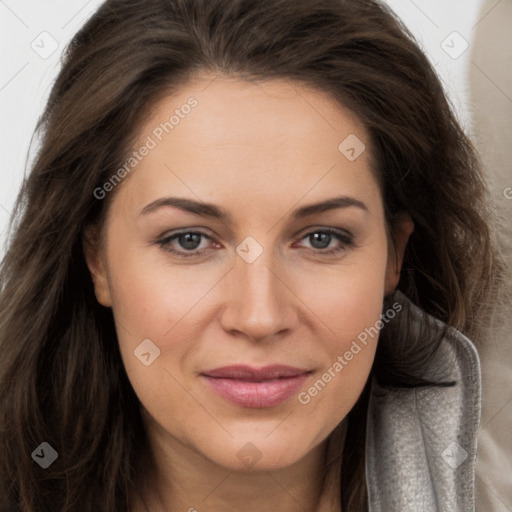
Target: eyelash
{"type": "Point", "coordinates": [345, 238]}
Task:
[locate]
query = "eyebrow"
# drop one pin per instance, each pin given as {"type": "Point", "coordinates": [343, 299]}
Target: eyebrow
{"type": "Point", "coordinates": [216, 212]}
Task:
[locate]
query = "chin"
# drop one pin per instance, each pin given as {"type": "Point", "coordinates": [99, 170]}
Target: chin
{"type": "Point", "coordinates": [257, 453]}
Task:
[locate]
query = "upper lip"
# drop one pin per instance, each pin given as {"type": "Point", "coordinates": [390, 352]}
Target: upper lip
{"type": "Point", "coordinates": [251, 374]}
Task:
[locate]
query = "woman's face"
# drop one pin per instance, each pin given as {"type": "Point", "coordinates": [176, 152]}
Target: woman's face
{"type": "Point", "coordinates": [249, 233]}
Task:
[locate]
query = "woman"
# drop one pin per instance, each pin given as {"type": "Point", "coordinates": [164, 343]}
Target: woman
{"type": "Point", "coordinates": [243, 263]}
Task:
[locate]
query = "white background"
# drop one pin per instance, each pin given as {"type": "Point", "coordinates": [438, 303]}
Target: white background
{"type": "Point", "coordinates": [479, 83]}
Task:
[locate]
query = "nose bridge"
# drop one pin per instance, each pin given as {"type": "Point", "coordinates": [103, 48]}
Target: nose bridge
{"type": "Point", "coordinates": [258, 304]}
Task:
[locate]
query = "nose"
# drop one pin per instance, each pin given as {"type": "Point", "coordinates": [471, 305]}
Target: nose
{"type": "Point", "coordinates": [258, 303]}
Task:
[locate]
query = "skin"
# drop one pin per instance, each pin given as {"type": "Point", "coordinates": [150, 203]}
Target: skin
{"type": "Point", "coordinates": [259, 151]}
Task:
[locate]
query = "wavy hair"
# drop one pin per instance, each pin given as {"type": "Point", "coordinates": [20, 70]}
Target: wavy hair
{"type": "Point", "coordinates": [61, 375]}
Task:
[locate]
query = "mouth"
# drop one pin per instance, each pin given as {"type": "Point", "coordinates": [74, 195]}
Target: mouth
{"type": "Point", "coordinates": [251, 387]}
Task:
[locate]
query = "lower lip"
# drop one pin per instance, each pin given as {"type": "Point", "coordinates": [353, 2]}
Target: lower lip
{"type": "Point", "coordinates": [256, 394]}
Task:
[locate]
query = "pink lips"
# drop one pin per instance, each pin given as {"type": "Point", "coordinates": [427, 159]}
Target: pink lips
{"type": "Point", "coordinates": [253, 387]}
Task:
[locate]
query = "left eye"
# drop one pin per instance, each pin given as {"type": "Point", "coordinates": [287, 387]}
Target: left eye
{"type": "Point", "coordinates": [321, 240]}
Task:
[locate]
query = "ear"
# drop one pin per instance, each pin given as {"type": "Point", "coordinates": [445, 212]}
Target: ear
{"type": "Point", "coordinates": [95, 260]}
{"type": "Point", "coordinates": [401, 230]}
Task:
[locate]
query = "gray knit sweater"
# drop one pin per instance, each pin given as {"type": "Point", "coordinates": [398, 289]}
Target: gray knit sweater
{"type": "Point", "coordinates": [421, 443]}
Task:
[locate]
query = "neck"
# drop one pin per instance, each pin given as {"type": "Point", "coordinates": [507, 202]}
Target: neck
{"type": "Point", "coordinates": [181, 479]}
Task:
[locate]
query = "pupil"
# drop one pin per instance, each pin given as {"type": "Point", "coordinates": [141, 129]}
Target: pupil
{"type": "Point", "coordinates": [321, 240]}
{"type": "Point", "coordinates": [190, 240]}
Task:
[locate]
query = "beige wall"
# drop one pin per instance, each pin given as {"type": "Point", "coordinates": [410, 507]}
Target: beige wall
{"type": "Point", "coordinates": [490, 85]}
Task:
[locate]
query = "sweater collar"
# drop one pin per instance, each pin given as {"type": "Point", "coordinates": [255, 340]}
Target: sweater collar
{"type": "Point", "coordinates": [421, 442]}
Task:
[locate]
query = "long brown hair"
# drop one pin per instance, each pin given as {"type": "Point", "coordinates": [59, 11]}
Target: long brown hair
{"type": "Point", "coordinates": [61, 376]}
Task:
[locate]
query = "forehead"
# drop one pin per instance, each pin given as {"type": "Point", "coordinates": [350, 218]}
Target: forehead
{"type": "Point", "coordinates": [270, 115]}
{"type": "Point", "coordinates": [229, 138]}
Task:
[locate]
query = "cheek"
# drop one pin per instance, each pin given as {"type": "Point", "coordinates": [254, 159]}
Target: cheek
{"type": "Point", "coordinates": [347, 298]}
{"type": "Point", "coordinates": [167, 306]}
{"type": "Point", "coordinates": [154, 316]}
{"type": "Point", "coordinates": [348, 303]}
{"type": "Point", "coordinates": [151, 296]}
